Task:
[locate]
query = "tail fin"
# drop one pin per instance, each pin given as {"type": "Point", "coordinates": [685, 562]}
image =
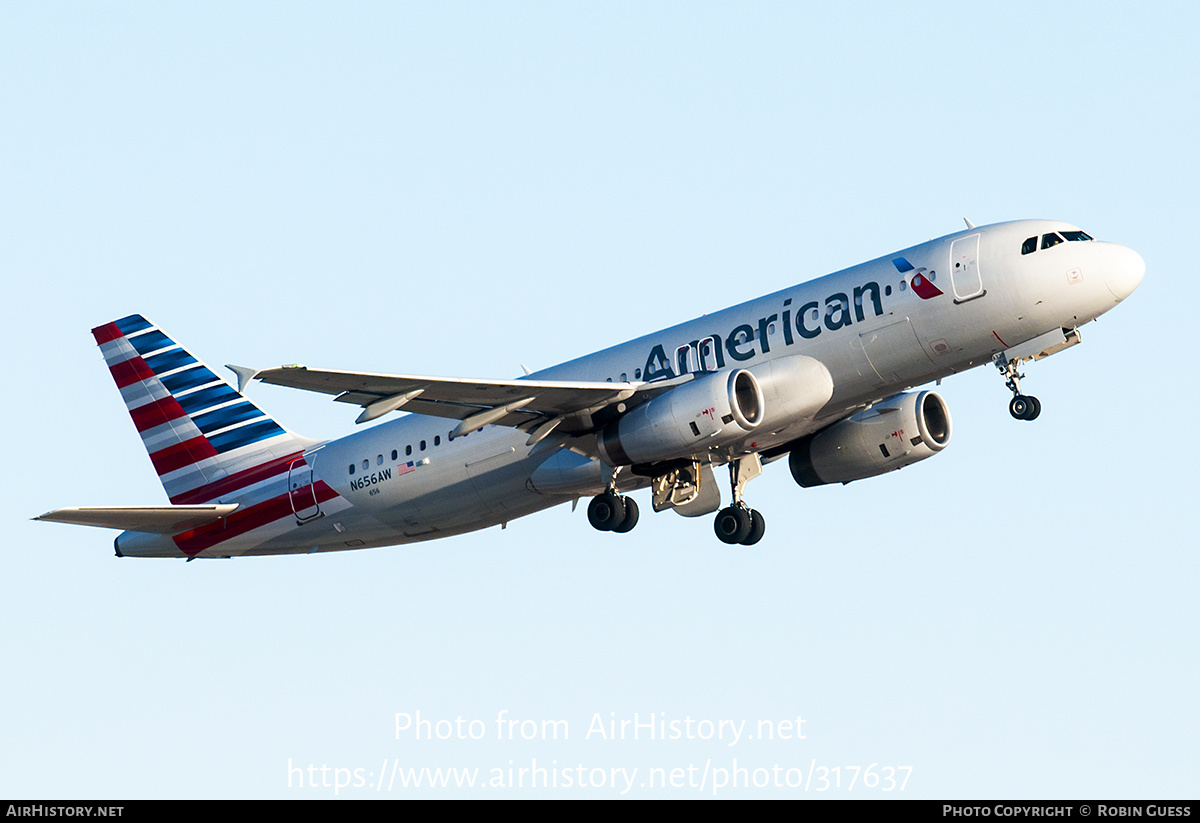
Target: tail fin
{"type": "Point", "coordinates": [197, 428]}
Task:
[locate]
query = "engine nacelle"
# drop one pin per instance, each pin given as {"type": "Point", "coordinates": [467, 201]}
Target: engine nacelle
{"type": "Point", "coordinates": [890, 435]}
{"type": "Point", "coordinates": [707, 412]}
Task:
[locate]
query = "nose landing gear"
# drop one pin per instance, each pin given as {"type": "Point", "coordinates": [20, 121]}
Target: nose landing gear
{"type": "Point", "coordinates": [1022, 406]}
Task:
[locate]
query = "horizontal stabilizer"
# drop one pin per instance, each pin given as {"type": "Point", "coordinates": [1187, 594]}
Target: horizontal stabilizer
{"type": "Point", "coordinates": [150, 519]}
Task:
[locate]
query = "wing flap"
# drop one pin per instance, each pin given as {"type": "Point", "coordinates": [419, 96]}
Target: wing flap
{"type": "Point", "coordinates": [149, 519]}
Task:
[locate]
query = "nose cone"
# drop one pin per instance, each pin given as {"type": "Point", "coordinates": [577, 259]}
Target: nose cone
{"type": "Point", "coordinates": [1126, 268]}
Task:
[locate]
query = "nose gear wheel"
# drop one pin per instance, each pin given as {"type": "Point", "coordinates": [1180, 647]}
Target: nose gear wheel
{"type": "Point", "coordinates": [1022, 406]}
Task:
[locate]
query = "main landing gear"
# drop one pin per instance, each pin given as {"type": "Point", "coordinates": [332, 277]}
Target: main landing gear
{"type": "Point", "coordinates": [739, 523]}
{"type": "Point", "coordinates": [1022, 406]}
{"type": "Point", "coordinates": [611, 511]}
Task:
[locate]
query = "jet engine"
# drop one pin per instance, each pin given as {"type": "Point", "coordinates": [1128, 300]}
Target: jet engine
{"type": "Point", "coordinates": [890, 435]}
{"type": "Point", "coordinates": [705, 413]}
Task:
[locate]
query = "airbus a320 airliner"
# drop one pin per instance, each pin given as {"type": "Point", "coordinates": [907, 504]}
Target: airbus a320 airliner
{"type": "Point", "coordinates": [821, 373]}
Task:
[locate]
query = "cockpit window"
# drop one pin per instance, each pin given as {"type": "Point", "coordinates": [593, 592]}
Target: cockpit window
{"type": "Point", "coordinates": [1049, 240]}
{"type": "Point", "coordinates": [1076, 235]}
{"type": "Point", "coordinates": [1029, 246]}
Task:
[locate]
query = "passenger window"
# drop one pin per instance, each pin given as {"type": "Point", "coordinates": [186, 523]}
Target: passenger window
{"type": "Point", "coordinates": [379, 460]}
{"type": "Point", "coordinates": [437, 440]}
{"type": "Point", "coordinates": [366, 465]}
{"type": "Point", "coordinates": [1029, 246]}
{"type": "Point", "coordinates": [1049, 240]}
{"type": "Point", "coordinates": [408, 450]}
{"type": "Point", "coordinates": [395, 454]}
{"type": "Point", "coordinates": [352, 468]}
{"type": "Point", "coordinates": [422, 445]}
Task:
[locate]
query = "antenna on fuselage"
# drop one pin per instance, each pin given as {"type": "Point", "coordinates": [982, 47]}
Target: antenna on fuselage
{"type": "Point", "coordinates": [970, 225]}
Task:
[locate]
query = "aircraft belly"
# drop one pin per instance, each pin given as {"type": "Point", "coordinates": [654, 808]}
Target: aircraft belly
{"type": "Point", "coordinates": [431, 499]}
{"type": "Point", "coordinates": [499, 480]}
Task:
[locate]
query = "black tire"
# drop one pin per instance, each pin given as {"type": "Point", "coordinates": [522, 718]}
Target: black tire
{"type": "Point", "coordinates": [1019, 407]}
{"type": "Point", "coordinates": [1035, 408]}
{"type": "Point", "coordinates": [758, 527]}
{"type": "Point", "coordinates": [606, 511]}
{"type": "Point", "coordinates": [732, 525]}
{"type": "Point", "coordinates": [631, 516]}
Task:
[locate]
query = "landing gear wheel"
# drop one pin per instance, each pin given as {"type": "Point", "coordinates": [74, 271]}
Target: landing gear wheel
{"type": "Point", "coordinates": [606, 511]}
{"type": "Point", "coordinates": [758, 527]}
{"type": "Point", "coordinates": [733, 524]}
{"type": "Point", "coordinates": [1035, 408]}
{"type": "Point", "coordinates": [1023, 407]}
{"type": "Point", "coordinates": [1019, 407]}
{"type": "Point", "coordinates": [631, 516]}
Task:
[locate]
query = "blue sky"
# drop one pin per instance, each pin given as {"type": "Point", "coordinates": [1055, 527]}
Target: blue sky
{"type": "Point", "coordinates": [462, 188]}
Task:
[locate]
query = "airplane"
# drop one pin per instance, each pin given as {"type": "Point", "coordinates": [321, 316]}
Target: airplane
{"type": "Point", "coordinates": [822, 373]}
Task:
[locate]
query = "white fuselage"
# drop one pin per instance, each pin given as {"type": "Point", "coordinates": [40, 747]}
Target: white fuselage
{"type": "Point", "coordinates": [867, 325]}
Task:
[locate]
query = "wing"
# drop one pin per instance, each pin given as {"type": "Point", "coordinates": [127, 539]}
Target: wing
{"type": "Point", "coordinates": [151, 519]}
{"type": "Point", "coordinates": [535, 406]}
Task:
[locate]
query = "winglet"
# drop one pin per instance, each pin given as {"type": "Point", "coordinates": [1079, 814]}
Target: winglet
{"type": "Point", "coordinates": [244, 375]}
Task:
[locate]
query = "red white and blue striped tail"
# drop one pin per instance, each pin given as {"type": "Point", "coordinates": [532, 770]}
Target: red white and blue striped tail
{"type": "Point", "coordinates": [200, 432]}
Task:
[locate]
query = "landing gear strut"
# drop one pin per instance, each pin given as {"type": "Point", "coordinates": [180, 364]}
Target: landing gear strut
{"type": "Point", "coordinates": [613, 512]}
{"type": "Point", "coordinates": [1022, 406]}
{"type": "Point", "coordinates": [739, 523]}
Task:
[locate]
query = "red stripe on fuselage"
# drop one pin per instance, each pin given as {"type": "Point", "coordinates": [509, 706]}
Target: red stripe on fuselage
{"type": "Point", "coordinates": [241, 521]}
{"type": "Point", "coordinates": [234, 482]}
{"type": "Point", "coordinates": [156, 413]}
{"type": "Point", "coordinates": [182, 454]}
{"type": "Point", "coordinates": [130, 371]}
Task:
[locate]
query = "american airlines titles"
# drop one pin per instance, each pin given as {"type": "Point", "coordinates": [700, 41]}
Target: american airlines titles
{"type": "Point", "coordinates": [745, 342]}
